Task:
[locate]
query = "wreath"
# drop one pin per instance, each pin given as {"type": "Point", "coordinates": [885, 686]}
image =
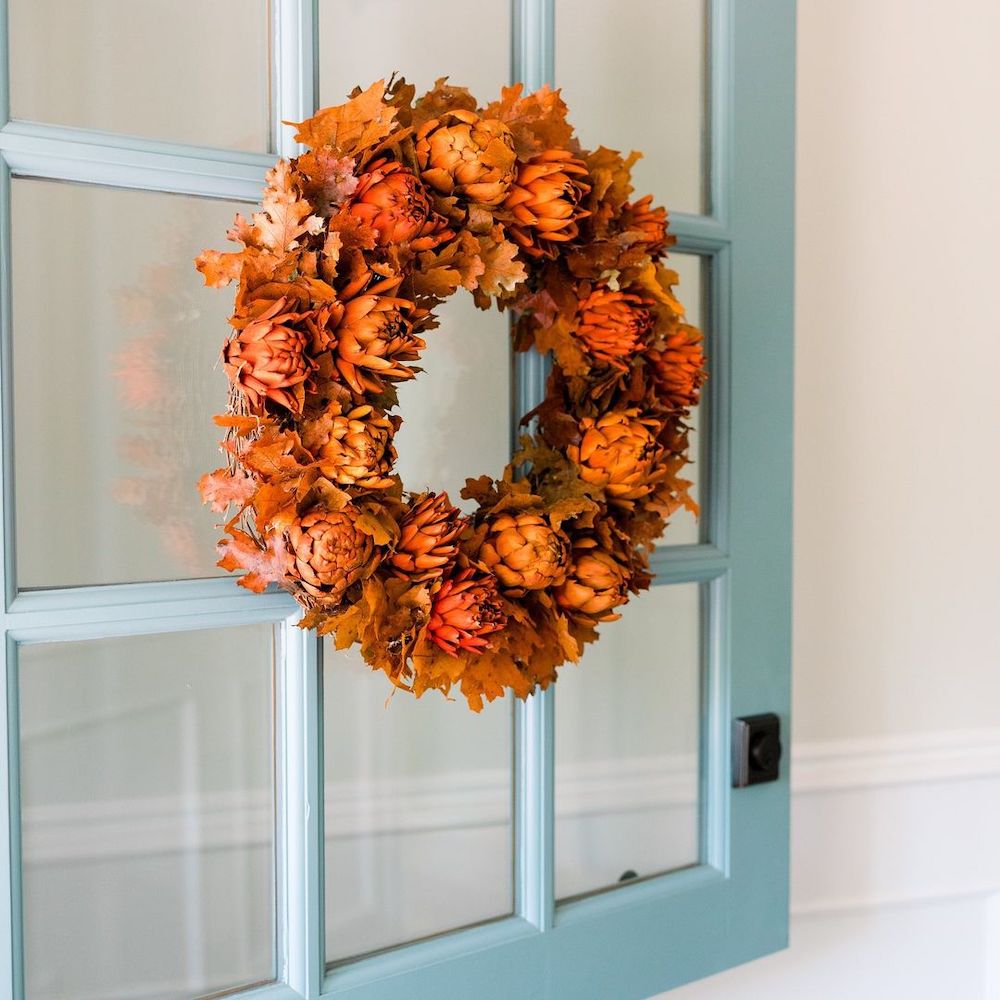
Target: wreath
{"type": "Point", "coordinates": [396, 204]}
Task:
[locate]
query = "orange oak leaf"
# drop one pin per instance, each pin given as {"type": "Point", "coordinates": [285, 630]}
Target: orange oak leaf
{"type": "Point", "coordinates": [442, 271]}
{"type": "Point", "coordinates": [284, 215]}
{"type": "Point", "coordinates": [658, 283]}
{"type": "Point", "coordinates": [441, 99]}
{"type": "Point", "coordinates": [558, 338]}
{"type": "Point", "coordinates": [610, 175]}
{"type": "Point", "coordinates": [263, 565]}
{"type": "Point", "coordinates": [502, 271]}
{"type": "Point", "coordinates": [219, 268]}
{"type": "Point", "coordinates": [352, 127]}
{"type": "Point", "coordinates": [537, 121]}
{"type": "Point", "coordinates": [221, 488]}
{"type": "Point", "coordinates": [329, 180]}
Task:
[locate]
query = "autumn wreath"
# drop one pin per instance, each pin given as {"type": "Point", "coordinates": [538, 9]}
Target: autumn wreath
{"type": "Point", "coordinates": [397, 204]}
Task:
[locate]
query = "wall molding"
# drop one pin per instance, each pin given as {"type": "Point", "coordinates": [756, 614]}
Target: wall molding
{"type": "Point", "coordinates": [76, 832]}
{"type": "Point", "coordinates": [916, 758]}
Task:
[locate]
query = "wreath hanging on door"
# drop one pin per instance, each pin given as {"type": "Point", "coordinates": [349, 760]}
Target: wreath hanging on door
{"type": "Point", "coordinates": [396, 205]}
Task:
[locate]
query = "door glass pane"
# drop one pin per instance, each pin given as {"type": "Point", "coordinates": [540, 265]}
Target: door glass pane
{"type": "Point", "coordinates": [363, 42]}
{"type": "Point", "coordinates": [634, 74]}
{"type": "Point", "coordinates": [116, 377]}
{"type": "Point", "coordinates": [456, 413]}
{"type": "Point", "coordinates": [419, 835]}
{"type": "Point", "coordinates": [147, 792]}
{"type": "Point", "coordinates": [627, 738]}
{"type": "Point", "coordinates": [694, 288]}
{"type": "Point", "coordinates": [181, 70]}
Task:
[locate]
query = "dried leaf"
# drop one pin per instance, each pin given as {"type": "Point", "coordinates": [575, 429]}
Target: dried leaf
{"type": "Point", "coordinates": [440, 99]}
{"type": "Point", "coordinates": [502, 269]}
{"type": "Point", "coordinates": [219, 268]}
{"type": "Point", "coordinates": [284, 215]}
{"type": "Point", "coordinates": [329, 180]}
{"type": "Point", "coordinates": [263, 564]}
{"type": "Point", "coordinates": [538, 120]}
{"type": "Point", "coordinates": [352, 127]}
{"type": "Point", "coordinates": [221, 488]}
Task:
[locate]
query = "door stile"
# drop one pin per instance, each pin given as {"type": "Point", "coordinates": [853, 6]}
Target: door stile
{"type": "Point", "coordinates": [11, 924]}
{"type": "Point", "coordinates": [532, 59]}
{"type": "Point", "coordinates": [7, 561]}
{"type": "Point", "coordinates": [299, 698]}
{"type": "Point", "coordinates": [299, 839]}
{"type": "Point", "coordinates": [295, 77]}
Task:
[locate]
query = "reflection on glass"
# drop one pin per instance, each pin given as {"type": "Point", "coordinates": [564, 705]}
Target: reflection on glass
{"type": "Point", "coordinates": [627, 737]}
{"type": "Point", "coordinates": [634, 74]}
{"type": "Point", "coordinates": [684, 527]}
{"type": "Point", "coordinates": [456, 413]}
{"type": "Point", "coordinates": [148, 814]}
{"type": "Point", "coordinates": [363, 42]}
{"type": "Point", "coordinates": [181, 70]}
{"type": "Point", "coordinates": [418, 812]}
{"type": "Point", "coordinates": [116, 374]}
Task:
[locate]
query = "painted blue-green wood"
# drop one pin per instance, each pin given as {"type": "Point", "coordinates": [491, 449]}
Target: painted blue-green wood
{"type": "Point", "coordinates": [11, 925]}
{"type": "Point", "coordinates": [299, 843]}
{"type": "Point", "coordinates": [532, 55]}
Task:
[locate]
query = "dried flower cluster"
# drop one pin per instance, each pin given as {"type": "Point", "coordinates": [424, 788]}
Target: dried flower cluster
{"type": "Point", "coordinates": [397, 203]}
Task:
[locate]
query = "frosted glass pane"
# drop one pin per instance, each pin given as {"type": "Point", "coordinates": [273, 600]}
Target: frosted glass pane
{"type": "Point", "coordinates": [116, 376]}
{"type": "Point", "coordinates": [148, 814]}
{"type": "Point", "coordinates": [456, 413]}
{"type": "Point", "coordinates": [634, 74]}
{"type": "Point", "coordinates": [360, 42]}
{"type": "Point", "coordinates": [695, 282]}
{"type": "Point", "coordinates": [419, 835]}
{"type": "Point", "coordinates": [182, 70]}
{"type": "Point", "coordinates": [627, 738]}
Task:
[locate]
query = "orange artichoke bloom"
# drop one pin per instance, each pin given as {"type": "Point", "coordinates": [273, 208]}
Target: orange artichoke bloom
{"type": "Point", "coordinates": [464, 611]}
{"type": "Point", "coordinates": [468, 156]}
{"type": "Point", "coordinates": [678, 366]}
{"type": "Point", "coordinates": [374, 341]}
{"type": "Point", "coordinates": [327, 553]}
{"type": "Point", "coordinates": [268, 359]}
{"type": "Point", "coordinates": [619, 452]}
{"type": "Point", "coordinates": [524, 552]}
{"type": "Point", "coordinates": [354, 448]}
{"type": "Point", "coordinates": [390, 199]}
{"type": "Point", "coordinates": [650, 223]}
{"type": "Point", "coordinates": [595, 584]}
{"type": "Point", "coordinates": [612, 325]}
{"type": "Point", "coordinates": [545, 200]}
{"type": "Point", "coordinates": [428, 539]}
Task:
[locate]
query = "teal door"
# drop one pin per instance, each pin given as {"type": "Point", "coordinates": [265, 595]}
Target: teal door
{"type": "Point", "coordinates": [202, 800]}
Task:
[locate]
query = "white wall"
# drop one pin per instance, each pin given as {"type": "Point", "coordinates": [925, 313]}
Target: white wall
{"type": "Point", "coordinates": [895, 882]}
